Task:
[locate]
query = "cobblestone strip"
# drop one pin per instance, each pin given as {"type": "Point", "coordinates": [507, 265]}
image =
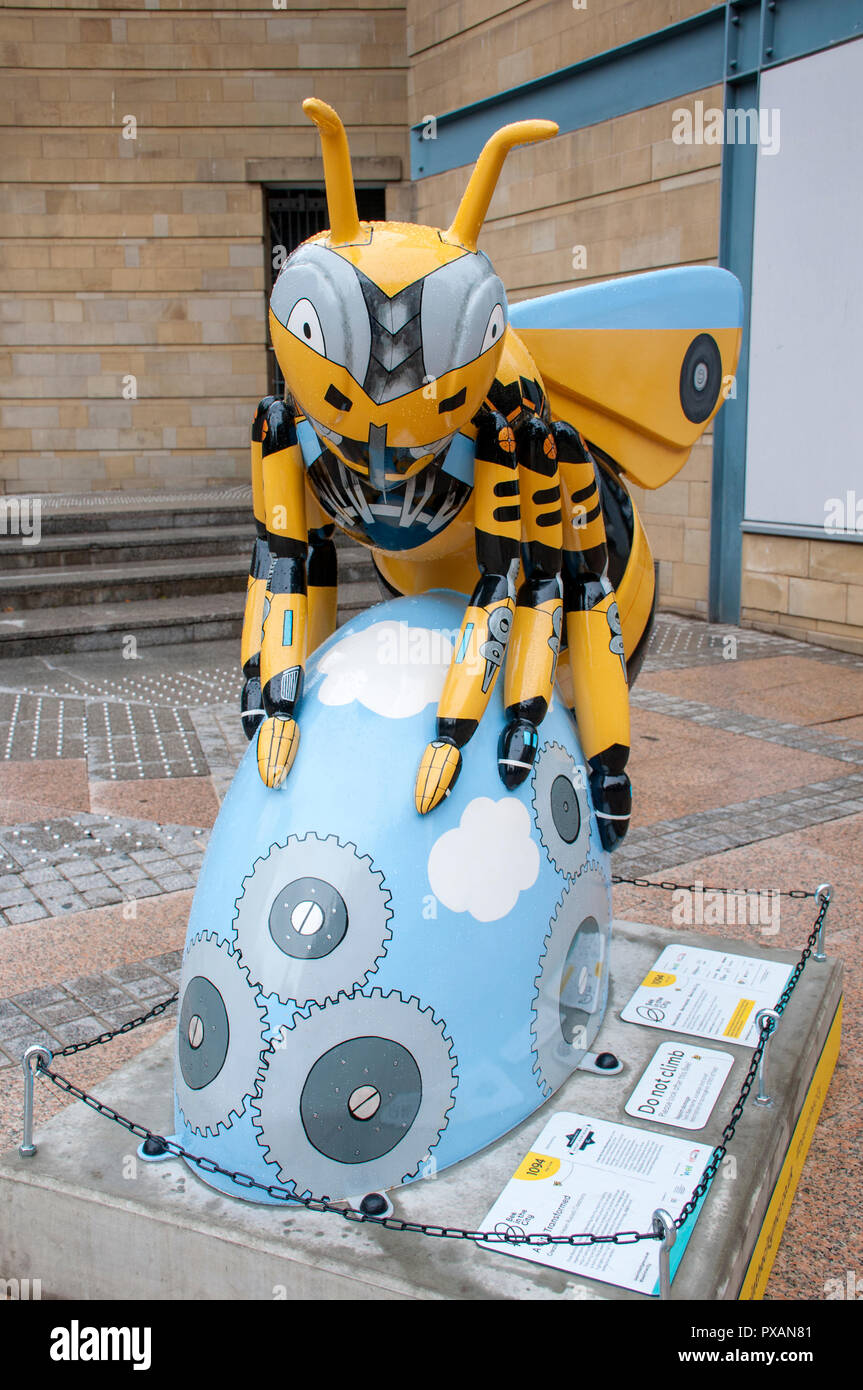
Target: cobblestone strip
{"type": "Point", "coordinates": [221, 740]}
{"type": "Point", "coordinates": [800, 736]}
{"type": "Point", "coordinates": [649, 849]}
{"type": "Point", "coordinates": [69, 864]}
{"type": "Point", "coordinates": [678, 642]}
{"type": "Point", "coordinates": [218, 680]}
{"type": "Point", "coordinates": [79, 1008]}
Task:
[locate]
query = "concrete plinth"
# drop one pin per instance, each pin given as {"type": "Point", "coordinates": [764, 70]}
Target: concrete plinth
{"type": "Point", "coordinates": [90, 1221]}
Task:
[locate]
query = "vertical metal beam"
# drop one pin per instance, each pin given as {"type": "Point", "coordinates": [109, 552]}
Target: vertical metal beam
{"type": "Point", "coordinates": [736, 233]}
{"type": "Point", "coordinates": [758, 34]}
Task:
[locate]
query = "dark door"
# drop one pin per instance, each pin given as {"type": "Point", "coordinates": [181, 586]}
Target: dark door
{"type": "Point", "coordinates": [293, 215]}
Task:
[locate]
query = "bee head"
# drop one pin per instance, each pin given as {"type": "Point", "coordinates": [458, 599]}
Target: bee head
{"type": "Point", "coordinates": [389, 334]}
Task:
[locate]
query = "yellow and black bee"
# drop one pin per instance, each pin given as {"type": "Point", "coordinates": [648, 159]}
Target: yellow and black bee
{"type": "Point", "coordinates": [419, 421]}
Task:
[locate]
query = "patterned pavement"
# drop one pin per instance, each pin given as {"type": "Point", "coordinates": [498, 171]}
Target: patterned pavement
{"type": "Point", "coordinates": [67, 865]}
{"type": "Point", "coordinates": [747, 765]}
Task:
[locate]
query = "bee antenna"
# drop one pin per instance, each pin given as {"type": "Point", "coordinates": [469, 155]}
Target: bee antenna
{"type": "Point", "coordinates": [473, 207]}
{"type": "Point", "coordinates": [339, 180]}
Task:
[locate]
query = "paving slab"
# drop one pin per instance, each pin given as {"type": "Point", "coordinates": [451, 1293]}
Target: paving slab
{"type": "Point", "coordinates": [90, 1223]}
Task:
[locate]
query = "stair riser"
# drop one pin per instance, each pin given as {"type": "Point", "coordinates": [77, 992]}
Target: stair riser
{"type": "Point", "coordinates": [173, 524]}
{"type": "Point", "coordinates": [353, 567]}
{"type": "Point", "coordinates": [39, 558]}
{"type": "Point", "coordinates": [75, 521]}
{"type": "Point", "coordinates": [66, 596]}
{"type": "Point", "coordinates": [157, 634]}
{"type": "Point", "coordinates": [110, 638]}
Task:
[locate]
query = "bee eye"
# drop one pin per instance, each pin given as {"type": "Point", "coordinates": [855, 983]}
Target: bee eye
{"type": "Point", "coordinates": [305, 325]}
{"type": "Point", "coordinates": [494, 329]}
{"type": "Point", "coordinates": [463, 314]}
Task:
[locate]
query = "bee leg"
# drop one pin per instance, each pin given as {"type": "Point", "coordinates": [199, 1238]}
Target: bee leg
{"type": "Point", "coordinates": [482, 641]}
{"type": "Point", "coordinates": [251, 700]}
{"type": "Point", "coordinates": [533, 648]}
{"type": "Point", "coordinates": [323, 591]}
{"type": "Point", "coordinates": [593, 630]}
{"type": "Point", "coordinates": [283, 648]}
{"type": "Point", "coordinates": [611, 792]}
{"type": "Point", "coordinates": [322, 575]}
{"type": "Point", "coordinates": [612, 798]}
{"type": "Point", "coordinates": [251, 703]}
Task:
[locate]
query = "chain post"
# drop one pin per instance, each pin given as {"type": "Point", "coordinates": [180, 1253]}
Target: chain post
{"type": "Point", "coordinates": [664, 1227]}
{"type": "Point", "coordinates": [33, 1057]}
{"type": "Point", "coordinates": [766, 1019]}
{"type": "Point", "coordinates": [824, 895]}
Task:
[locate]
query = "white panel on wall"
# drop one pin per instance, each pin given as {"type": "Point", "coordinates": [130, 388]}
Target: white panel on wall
{"type": "Point", "coordinates": [805, 427]}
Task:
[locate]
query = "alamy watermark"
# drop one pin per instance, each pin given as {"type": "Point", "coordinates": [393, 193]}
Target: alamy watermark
{"type": "Point", "coordinates": [735, 126]}
{"type": "Point", "coordinates": [844, 514]}
{"type": "Point", "coordinates": [20, 1290]}
{"type": "Point", "coordinates": [418, 646]}
{"type": "Point", "coordinates": [77, 1343]}
{"type": "Point", "coordinates": [851, 1287]}
{"type": "Point", "coordinates": [21, 516]}
{"type": "Point", "coordinates": [726, 907]}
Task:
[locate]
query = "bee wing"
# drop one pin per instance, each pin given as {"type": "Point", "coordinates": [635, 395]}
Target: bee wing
{"type": "Point", "coordinates": [640, 364]}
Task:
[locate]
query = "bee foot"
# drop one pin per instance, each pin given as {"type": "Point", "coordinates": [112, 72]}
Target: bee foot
{"type": "Point", "coordinates": [516, 751]}
{"type": "Point", "coordinates": [438, 772]}
{"type": "Point", "coordinates": [251, 707]}
{"type": "Point", "coordinates": [278, 741]}
{"type": "Point", "coordinates": [612, 800]}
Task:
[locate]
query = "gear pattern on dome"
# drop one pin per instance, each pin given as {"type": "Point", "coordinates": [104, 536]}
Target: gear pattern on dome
{"type": "Point", "coordinates": [561, 809]}
{"type": "Point", "coordinates": [312, 921]}
{"type": "Point", "coordinates": [216, 1071]}
{"type": "Point", "coordinates": [358, 1096]}
{"type": "Point", "coordinates": [572, 984]}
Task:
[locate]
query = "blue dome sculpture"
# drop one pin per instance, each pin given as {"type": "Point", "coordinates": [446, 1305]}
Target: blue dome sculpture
{"type": "Point", "coordinates": [369, 995]}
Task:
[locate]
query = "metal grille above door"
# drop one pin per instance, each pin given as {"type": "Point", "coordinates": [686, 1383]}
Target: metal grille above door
{"type": "Point", "coordinates": [293, 215]}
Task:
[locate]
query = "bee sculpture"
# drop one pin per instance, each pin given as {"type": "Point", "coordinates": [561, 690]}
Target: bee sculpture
{"type": "Point", "coordinates": [447, 433]}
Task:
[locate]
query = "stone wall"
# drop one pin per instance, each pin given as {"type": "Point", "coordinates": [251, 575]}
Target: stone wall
{"type": "Point", "coordinates": [804, 588]}
{"type": "Point", "coordinates": [144, 257]}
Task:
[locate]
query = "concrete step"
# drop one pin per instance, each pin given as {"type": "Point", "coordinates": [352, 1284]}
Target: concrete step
{"type": "Point", "coordinates": [115, 583]}
{"type": "Point", "coordinates": [106, 548]}
{"type": "Point", "coordinates": [106, 512]}
{"type": "Point", "coordinates": [66, 514]}
{"type": "Point", "coordinates": [162, 567]}
{"type": "Point", "coordinates": [202, 617]}
{"type": "Point", "coordinates": [64, 523]}
{"type": "Point", "coordinates": [125, 547]}
{"type": "Point", "coordinates": [69, 585]}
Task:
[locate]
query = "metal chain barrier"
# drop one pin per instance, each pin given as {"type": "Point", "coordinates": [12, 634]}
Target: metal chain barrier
{"type": "Point", "coordinates": [703, 888]}
{"type": "Point", "coordinates": [156, 1010]}
{"type": "Point", "coordinates": [159, 1145]}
